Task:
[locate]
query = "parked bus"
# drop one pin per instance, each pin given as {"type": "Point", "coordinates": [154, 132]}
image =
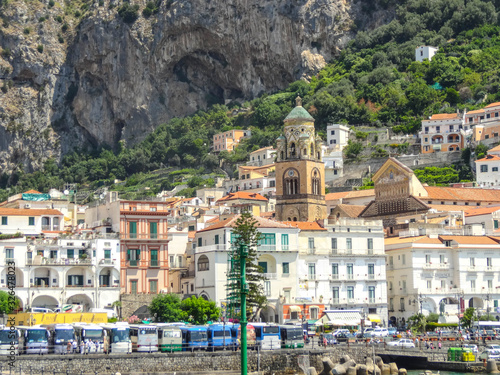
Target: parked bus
{"type": "Point", "coordinates": [89, 332]}
{"type": "Point", "coordinates": [144, 338]}
{"type": "Point", "coordinates": [117, 338]}
{"type": "Point", "coordinates": [236, 336]}
{"type": "Point", "coordinates": [291, 337]}
{"type": "Point", "coordinates": [218, 336]}
{"type": "Point", "coordinates": [169, 337]}
{"type": "Point", "coordinates": [60, 335]}
{"type": "Point", "coordinates": [194, 337]}
{"type": "Point", "coordinates": [33, 340]}
{"type": "Point", "coordinates": [9, 341]}
{"type": "Point", "coordinates": [267, 335]}
{"type": "Point", "coordinates": [486, 325]}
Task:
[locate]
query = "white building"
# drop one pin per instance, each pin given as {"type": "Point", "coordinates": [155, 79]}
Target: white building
{"type": "Point", "coordinates": [81, 269]}
{"type": "Point", "coordinates": [487, 173]}
{"type": "Point", "coordinates": [442, 274]}
{"type": "Point", "coordinates": [31, 222]}
{"type": "Point", "coordinates": [334, 164]}
{"type": "Point", "coordinates": [425, 52]}
{"type": "Point", "coordinates": [337, 136]}
{"type": "Point", "coordinates": [343, 265]}
{"type": "Point", "coordinates": [277, 255]}
{"type": "Point", "coordinates": [261, 157]}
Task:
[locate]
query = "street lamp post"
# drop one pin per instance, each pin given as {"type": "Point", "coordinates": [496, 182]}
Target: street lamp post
{"type": "Point", "coordinates": [243, 293]}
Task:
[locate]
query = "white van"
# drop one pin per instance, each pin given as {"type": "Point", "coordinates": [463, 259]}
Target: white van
{"type": "Point", "coordinates": [111, 313]}
{"type": "Point", "coordinates": [380, 332]}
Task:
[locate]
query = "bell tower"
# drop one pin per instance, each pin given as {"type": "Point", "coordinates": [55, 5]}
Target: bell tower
{"type": "Point", "coordinates": [300, 172]}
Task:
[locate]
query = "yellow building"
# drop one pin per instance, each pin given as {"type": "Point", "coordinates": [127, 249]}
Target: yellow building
{"type": "Point", "coordinates": [300, 172]}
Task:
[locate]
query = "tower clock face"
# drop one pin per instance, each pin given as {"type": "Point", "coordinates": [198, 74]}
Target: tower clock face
{"type": "Point", "coordinates": [290, 173]}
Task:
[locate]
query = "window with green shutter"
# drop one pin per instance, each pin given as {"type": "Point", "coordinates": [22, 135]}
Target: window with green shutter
{"type": "Point", "coordinates": [154, 258]}
{"type": "Point", "coordinates": [31, 220]}
{"type": "Point", "coordinates": [132, 226]}
{"type": "Point", "coordinates": [200, 242]}
{"type": "Point", "coordinates": [284, 242]}
{"type": "Point", "coordinates": [153, 230]}
{"type": "Point", "coordinates": [133, 256]}
{"type": "Point", "coordinates": [71, 253]}
{"type": "Point", "coordinates": [107, 254]}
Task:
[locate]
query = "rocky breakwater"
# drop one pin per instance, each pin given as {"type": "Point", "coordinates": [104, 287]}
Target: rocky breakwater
{"type": "Point", "coordinates": [347, 366]}
{"type": "Point", "coordinates": [76, 74]}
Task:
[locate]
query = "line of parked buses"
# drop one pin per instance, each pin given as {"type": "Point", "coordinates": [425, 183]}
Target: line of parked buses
{"type": "Point", "coordinates": [85, 338]}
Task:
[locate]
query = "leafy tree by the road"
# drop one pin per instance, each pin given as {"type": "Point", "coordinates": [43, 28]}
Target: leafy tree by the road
{"type": "Point", "coordinates": [432, 318]}
{"type": "Point", "coordinates": [5, 306]}
{"type": "Point", "coordinates": [417, 322]}
{"type": "Point", "coordinates": [198, 310]}
{"type": "Point", "coordinates": [245, 233]}
{"type": "Point", "coordinates": [167, 308]}
{"type": "Point", "coordinates": [469, 316]}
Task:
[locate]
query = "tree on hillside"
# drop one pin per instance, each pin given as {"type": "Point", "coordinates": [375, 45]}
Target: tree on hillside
{"type": "Point", "coordinates": [199, 311]}
{"type": "Point", "coordinates": [245, 233]}
{"type": "Point", "coordinates": [167, 308]}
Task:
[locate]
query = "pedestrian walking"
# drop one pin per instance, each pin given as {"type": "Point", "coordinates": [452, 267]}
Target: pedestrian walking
{"type": "Point", "coordinates": [82, 348]}
{"type": "Point", "coordinates": [75, 347]}
{"type": "Point", "coordinates": [68, 347]}
{"type": "Point", "coordinates": [439, 344]}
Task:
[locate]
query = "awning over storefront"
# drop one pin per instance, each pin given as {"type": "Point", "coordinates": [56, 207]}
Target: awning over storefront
{"type": "Point", "coordinates": [295, 309]}
{"type": "Point", "coordinates": [313, 307]}
{"type": "Point", "coordinates": [374, 318]}
{"type": "Point", "coordinates": [341, 318]}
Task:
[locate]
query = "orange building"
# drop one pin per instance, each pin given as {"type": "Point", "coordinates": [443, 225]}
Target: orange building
{"type": "Point", "coordinates": [144, 246]}
{"type": "Point", "coordinates": [443, 132]}
{"type": "Point", "coordinates": [229, 140]}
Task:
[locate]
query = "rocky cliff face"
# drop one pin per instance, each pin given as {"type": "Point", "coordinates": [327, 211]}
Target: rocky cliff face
{"type": "Point", "coordinates": [74, 74]}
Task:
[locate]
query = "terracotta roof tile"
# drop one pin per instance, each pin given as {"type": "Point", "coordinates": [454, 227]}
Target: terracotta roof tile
{"type": "Point", "coordinates": [304, 225]}
{"type": "Point", "coordinates": [482, 210]}
{"type": "Point", "coordinates": [262, 149]}
{"type": "Point", "coordinates": [475, 111]}
{"type": "Point", "coordinates": [448, 207]}
{"type": "Point", "coordinates": [428, 240]}
{"type": "Point", "coordinates": [401, 240]}
{"type": "Point", "coordinates": [191, 234]}
{"type": "Point", "coordinates": [493, 105]}
{"type": "Point", "coordinates": [462, 194]}
{"type": "Point", "coordinates": [231, 222]}
{"type": "Point", "coordinates": [494, 149]}
{"type": "Point", "coordinates": [242, 195]}
{"type": "Point", "coordinates": [28, 212]}
{"type": "Point", "coordinates": [350, 194]}
{"type": "Point", "coordinates": [445, 116]}
{"type": "Point", "coordinates": [470, 240]}
{"type": "Point", "coordinates": [351, 210]}
{"type": "Point", "coordinates": [32, 192]}
{"type": "Point", "coordinates": [489, 158]}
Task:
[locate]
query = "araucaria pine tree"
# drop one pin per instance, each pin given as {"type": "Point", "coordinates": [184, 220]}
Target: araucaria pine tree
{"type": "Point", "coordinates": [245, 233]}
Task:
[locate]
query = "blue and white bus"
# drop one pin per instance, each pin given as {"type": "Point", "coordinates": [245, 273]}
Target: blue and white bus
{"type": "Point", "coordinates": [34, 340]}
{"type": "Point", "coordinates": [267, 335]}
{"type": "Point", "coordinates": [194, 338]}
{"type": "Point", "coordinates": [117, 338]}
{"type": "Point", "coordinates": [219, 337]}
{"type": "Point", "coordinates": [85, 332]}
{"type": "Point", "coordinates": [60, 335]}
{"type": "Point", "coordinates": [9, 341]}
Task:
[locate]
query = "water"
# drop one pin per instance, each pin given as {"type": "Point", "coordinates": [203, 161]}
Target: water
{"type": "Point", "coordinates": [418, 372]}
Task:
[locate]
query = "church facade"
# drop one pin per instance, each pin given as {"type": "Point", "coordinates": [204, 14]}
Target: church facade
{"type": "Point", "coordinates": [300, 171]}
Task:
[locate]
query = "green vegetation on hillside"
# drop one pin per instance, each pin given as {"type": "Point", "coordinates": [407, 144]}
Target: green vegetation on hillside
{"type": "Point", "coordinates": [374, 81]}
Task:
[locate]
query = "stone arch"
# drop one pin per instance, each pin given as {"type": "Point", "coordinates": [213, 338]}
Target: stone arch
{"type": "Point", "coordinates": [271, 267]}
{"type": "Point", "coordinates": [268, 314]}
{"type": "Point", "coordinates": [203, 263]}
{"type": "Point", "coordinates": [9, 278]}
{"type": "Point", "coordinates": [81, 299]}
{"type": "Point", "coordinates": [45, 276]}
{"type": "Point", "coordinates": [291, 213]}
{"type": "Point", "coordinates": [45, 301]}
{"type": "Point", "coordinates": [205, 296]}
{"type": "Point", "coordinates": [316, 181]}
{"type": "Point", "coordinates": [142, 312]}
{"type": "Point", "coordinates": [476, 302]}
{"type": "Point", "coordinates": [291, 182]}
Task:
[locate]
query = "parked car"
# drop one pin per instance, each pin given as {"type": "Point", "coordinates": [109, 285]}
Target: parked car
{"type": "Point", "coordinates": [392, 331]}
{"type": "Point", "coordinates": [330, 339]}
{"type": "Point", "coordinates": [492, 347]}
{"type": "Point", "coordinates": [405, 343]}
{"type": "Point", "coordinates": [473, 347]}
{"type": "Point", "coordinates": [380, 332]}
{"type": "Point", "coordinates": [490, 354]}
{"type": "Point", "coordinates": [342, 337]}
{"type": "Point", "coordinates": [341, 331]}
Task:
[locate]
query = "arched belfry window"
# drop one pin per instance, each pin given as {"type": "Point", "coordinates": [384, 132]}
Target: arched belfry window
{"type": "Point", "coordinates": [293, 152]}
{"type": "Point", "coordinates": [316, 182]}
{"type": "Point", "coordinates": [312, 149]}
{"type": "Point", "coordinates": [291, 182]}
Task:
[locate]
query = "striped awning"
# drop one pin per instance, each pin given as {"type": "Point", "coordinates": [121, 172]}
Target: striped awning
{"type": "Point", "coordinates": [295, 309]}
{"type": "Point", "coordinates": [341, 318]}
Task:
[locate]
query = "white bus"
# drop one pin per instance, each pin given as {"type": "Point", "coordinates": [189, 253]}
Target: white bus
{"type": "Point", "coordinates": [169, 337]}
{"type": "Point", "coordinates": [33, 340]}
{"type": "Point", "coordinates": [117, 338]}
{"type": "Point", "coordinates": [9, 341]}
{"type": "Point", "coordinates": [60, 335]}
{"type": "Point", "coordinates": [144, 338]}
{"type": "Point", "coordinates": [90, 332]}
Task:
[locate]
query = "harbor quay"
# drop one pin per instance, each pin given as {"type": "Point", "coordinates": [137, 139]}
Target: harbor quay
{"type": "Point", "coordinates": [228, 362]}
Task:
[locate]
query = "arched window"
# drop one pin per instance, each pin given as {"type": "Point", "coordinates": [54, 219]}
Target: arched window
{"type": "Point", "coordinates": [312, 149]}
{"type": "Point", "coordinates": [281, 156]}
{"type": "Point", "coordinates": [316, 183]}
{"type": "Point", "coordinates": [203, 264]}
{"type": "Point", "coordinates": [292, 150]}
{"type": "Point", "coordinates": [291, 182]}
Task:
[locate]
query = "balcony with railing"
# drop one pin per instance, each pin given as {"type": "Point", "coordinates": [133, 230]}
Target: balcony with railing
{"type": "Point", "coordinates": [335, 301]}
{"type": "Point", "coordinates": [271, 275]}
{"type": "Point", "coordinates": [371, 276]}
{"type": "Point", "coordinates": [311, 276]}
{"type": "Point", "coordinates": [351, 300]}
{"type": "Point", "coordinates": [311, 250]}
{"type": "Point", "coordinates": [334, 276]}
{"type": "Point", "coordinates": [350, 276]}
{"type": "Point", "coordinates": [371, 300]}
{"type": "Point", "coordinates": [472, 269]}
{"type": "Point", "coordinates": [60, 261]}
{"type": "Point", "coordinates": [108, 262]}
{"type": "Point", "coordinates": [8, 261]}
{"type": "Point", "coordinates": [355, 252]}
{"type": "Point", "coordinates": [144, 236]}
{"type": "Point", "coordinates": [266, 247]}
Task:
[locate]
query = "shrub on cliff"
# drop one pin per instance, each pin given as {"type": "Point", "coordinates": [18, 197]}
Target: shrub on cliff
{"type": "Point", "coordinates": [129, 13]}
